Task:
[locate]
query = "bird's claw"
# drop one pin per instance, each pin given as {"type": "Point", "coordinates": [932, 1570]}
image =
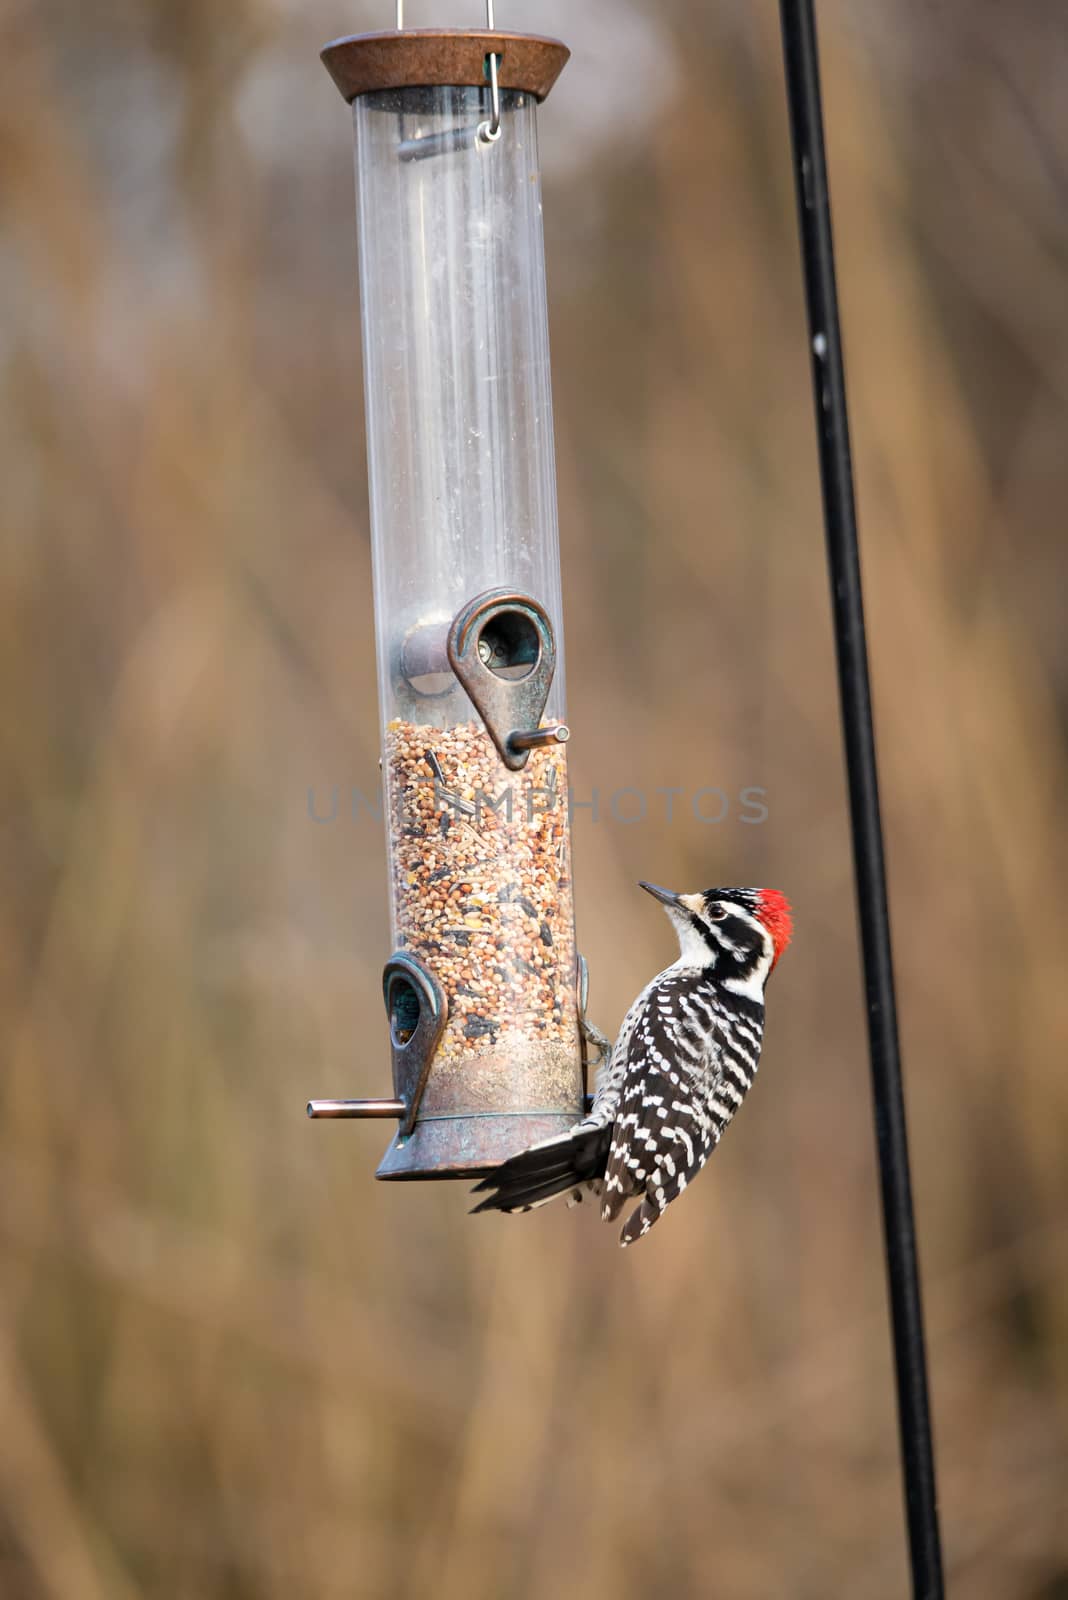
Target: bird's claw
{"type": "Point", "coordinates": [598, 1040]}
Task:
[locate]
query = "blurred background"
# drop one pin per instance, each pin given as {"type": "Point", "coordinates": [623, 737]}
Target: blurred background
{"type": "Point", "coordinates": [231, 1364]}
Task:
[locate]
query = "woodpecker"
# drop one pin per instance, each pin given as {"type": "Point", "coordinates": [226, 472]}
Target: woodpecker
{"type": "Point", "coordinates": [686, 1054]}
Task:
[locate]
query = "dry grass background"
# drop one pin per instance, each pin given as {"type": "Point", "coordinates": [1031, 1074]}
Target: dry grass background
{"type": "Point", "coordinates": [230, 1364]}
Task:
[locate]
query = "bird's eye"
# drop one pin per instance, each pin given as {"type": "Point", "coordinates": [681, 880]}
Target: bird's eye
{"type": "Point", "coordinates": [717, 911]}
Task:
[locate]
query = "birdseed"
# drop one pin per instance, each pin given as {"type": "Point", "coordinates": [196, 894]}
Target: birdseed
{"type": "Point", "coordinates": [481, 888]}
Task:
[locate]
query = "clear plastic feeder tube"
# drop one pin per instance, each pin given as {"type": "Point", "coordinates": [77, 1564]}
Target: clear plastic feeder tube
{"type": "Point", "coordinates": [456, 372]}
{"type": "Point", "coordinates": [463, 501]}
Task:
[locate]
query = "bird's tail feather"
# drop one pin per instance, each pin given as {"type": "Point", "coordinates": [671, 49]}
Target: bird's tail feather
{"type": "Point", "coordinates": [545, 1170]}
{"type": "Point", "coordinates": [640, 1221]}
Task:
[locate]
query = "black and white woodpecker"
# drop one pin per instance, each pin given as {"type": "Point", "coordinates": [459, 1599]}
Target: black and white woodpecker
{"type": "Point", "coordinates": [685, 1056]}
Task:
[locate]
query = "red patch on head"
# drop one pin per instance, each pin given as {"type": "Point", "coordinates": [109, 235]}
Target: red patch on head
{"type": "Point", "coordinates": [773, 910]}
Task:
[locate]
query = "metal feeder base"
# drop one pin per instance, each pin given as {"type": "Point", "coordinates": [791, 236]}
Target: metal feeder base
{"type": "Point", "coordinates": [467, 1147]}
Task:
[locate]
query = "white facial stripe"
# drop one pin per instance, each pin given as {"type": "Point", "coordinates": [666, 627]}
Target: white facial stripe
{"type": "Point", "coordinates": [729, 945]}
{"type": "Point", "coordinates": [753, 986]}
{"type": "Point", "coordinates": [754, 922]}
{"type": "Point", "coordinates": [693, 947]}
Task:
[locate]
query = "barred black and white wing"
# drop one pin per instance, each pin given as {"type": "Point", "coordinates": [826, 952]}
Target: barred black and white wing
{"type": "Point", "coordinates": [574, 1162]}
{"type": "Point", "coordinates": [687, 1065]}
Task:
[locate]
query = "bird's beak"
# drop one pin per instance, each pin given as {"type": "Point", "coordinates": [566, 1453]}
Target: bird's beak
{"type": "Point", "coordinates": [665, 896]}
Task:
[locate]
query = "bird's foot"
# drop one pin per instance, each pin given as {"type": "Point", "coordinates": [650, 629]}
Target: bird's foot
{"type": "Point", "coordinates": [597, 1040]}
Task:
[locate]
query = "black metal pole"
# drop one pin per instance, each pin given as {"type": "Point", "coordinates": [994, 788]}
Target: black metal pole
{"type": "Point", "coordinates": [801, 58]}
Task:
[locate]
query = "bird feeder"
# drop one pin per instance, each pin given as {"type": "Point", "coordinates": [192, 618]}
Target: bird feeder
{"type": "Point", "coordinates": [481, 992]}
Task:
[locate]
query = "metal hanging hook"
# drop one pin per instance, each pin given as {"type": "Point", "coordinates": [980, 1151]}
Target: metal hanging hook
{"type": "Point", "coordinates": [489, 132]}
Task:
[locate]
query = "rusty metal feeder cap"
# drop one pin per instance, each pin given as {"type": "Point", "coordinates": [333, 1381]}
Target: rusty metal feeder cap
{"type": "Point", "coordinates": [421, 57]}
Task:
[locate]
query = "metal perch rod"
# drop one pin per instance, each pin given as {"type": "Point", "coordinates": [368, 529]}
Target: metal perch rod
{"type": "Point", "coordinates": [356, 1108]}
{"type": "Point", "coordinates": [800, 53]}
